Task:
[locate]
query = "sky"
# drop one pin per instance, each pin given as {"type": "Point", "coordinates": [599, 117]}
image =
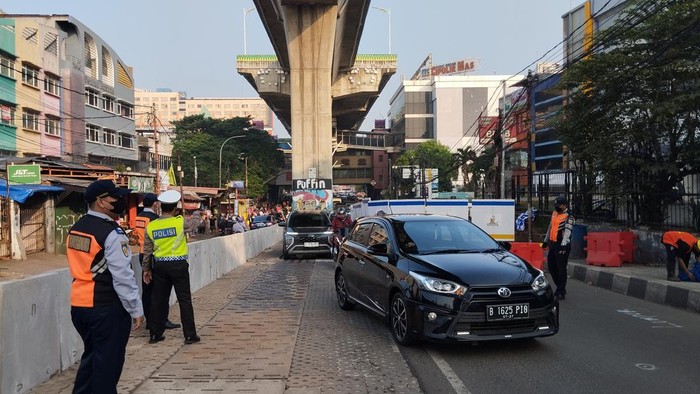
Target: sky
{"type": "Point", "coordinates": [198, 41]}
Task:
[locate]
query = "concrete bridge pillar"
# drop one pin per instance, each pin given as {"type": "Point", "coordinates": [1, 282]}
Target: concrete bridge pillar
{"type": "Point", "coordinates": [310, 32]}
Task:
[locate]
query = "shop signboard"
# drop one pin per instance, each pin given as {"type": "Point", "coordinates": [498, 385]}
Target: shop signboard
{"type": "Point", "coordinates": [24, 174]}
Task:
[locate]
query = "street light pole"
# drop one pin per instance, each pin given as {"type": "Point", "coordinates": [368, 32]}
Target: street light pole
{"type": "Point", "coordinates": [387, 11]}
{"type": "Point", "coordinates": [195, 170]}
{"type": "Point", "coordinates": [245, 39]}
{"type": "Point", "coordinates": [221, 151]}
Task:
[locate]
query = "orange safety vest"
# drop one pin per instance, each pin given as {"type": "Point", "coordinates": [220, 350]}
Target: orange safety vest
{"type": "Point", "coordinates": [140, 223]}
{"type": "Point", "coordinates": [556, 226]}
{"type": "Point", "coordinates": [671, 238]}
{"type": "Point", "coordinates": [92, 280]}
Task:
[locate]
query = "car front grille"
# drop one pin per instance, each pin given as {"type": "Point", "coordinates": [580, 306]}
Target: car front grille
{"type": "Point", "coordinates": [502, 327]}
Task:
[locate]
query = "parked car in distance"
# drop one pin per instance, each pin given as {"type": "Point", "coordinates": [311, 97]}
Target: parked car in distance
{"type": "Point", "coordinates": [441, 278]}
{"type": "Point", "coordinates": [307, 233]}
{"type": "Point", "coordinates": [262, 221]}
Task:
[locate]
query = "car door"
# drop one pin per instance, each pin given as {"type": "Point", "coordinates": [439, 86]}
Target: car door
{"type": "Point", "coordinates": [374, 271]}
{"type": "Point", "coordinates": [351, 251]}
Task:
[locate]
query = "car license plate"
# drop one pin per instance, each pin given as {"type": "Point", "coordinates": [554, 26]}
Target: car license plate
{"type": "Point", "coordinates": [311, 244]}
{"type": "Point", "coordinates": [507, 312]}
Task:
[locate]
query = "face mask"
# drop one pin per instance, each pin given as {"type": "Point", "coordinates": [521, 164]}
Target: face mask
{"type": "Point", "coordinates": [118, 206]}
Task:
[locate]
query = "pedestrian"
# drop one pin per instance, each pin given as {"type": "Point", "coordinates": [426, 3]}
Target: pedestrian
{"type": "Point", "coordinates": [105, 302]}
{"type": "Point", "coordinates": [341, 223]}
{"type": "Point", "coordinates": [150, 205]}
{"type": "Point", "coordinates": [678, 245]}
{"type": "Point", "coordinates": [165, 262]}
{"type": "Point", "coordinates": [558, 239]}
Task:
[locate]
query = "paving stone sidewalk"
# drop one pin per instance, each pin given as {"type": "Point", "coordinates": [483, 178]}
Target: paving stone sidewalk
{"type": "Point", "coordinates": [269, 326]}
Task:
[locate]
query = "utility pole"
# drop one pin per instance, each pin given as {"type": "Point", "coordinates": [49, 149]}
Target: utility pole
{"type": "Point", "coordinates": [195, 170]}
{"type": "Point", "coordinates": [502, 127]}
{"type": "Point", "coordinates": [156, 161]}
{"type": "Point", "coordinates": [531, 80]}
{"type": "Point", "coordinates": [182, 190]}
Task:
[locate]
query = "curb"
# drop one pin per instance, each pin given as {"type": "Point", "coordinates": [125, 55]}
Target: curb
{"type": "Point", "coordinates": [657, 291]}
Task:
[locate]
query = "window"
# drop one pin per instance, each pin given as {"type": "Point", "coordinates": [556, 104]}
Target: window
{"type": "Point", "coordinates": [381, 158]}
{"type": "Point", "coordinates": [92, 133]}
{"type": "Point", "coordinates": [30, 119]}
{"type": "Point", "coordinates": [30, 75]}
{"type": "Point", "coordinates": [126, 110]}
{"type": "Point", "coordinates": [92, 98]}
{"type": "Point", "coordinates": [109, 137]}
{"type": "Point", "coordinates": [173, 99]}
{"type": "Point", "coordinates": [126, 141]}
{"type": "Point", "coordinates": [108, 103]}
{"type": "Point", "coordinates": [7, 115]}
{"type": "Point", "coordinates": [51, 84]}
{"type": "Point", "coordinates": [7, 66]}
{"type": "Point", "coordinates": [362, 162]}
{"type": "Point", "coordinates": [51, 126]}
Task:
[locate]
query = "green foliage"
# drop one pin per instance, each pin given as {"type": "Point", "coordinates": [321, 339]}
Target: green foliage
{"type": "Point", "coordinates": [632, 118]}
{"type": "Point", "coordinates": [432, 154]}
{"type": "Point", "coordinates": [203, 137]}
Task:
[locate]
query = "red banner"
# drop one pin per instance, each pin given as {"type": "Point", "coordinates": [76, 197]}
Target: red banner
{"type": "Point", "coordinates": [488, 125]}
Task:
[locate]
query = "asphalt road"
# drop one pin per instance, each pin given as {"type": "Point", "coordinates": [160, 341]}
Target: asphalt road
{"type": "Point", "coordinates": [608, 343]}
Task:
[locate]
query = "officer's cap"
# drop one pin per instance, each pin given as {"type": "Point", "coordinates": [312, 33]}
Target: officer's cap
{"type": "Point", "coordinates": [149, 198]}
{"type": "Point", "coordinates": [103, 188]}
{"type": "Point", "coordinates": [560, 200]}
{"type": "Point", "coordinates": [169, 197]}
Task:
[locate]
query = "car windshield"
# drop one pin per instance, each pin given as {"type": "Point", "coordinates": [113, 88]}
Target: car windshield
{"type": "Point", "coordinates": [442, 236]}
{"type": "Point", "coordinates": [318, 220]}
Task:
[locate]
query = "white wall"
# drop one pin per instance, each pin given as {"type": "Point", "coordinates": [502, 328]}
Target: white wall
{"type": "Point", "coordinates": [37, 337]}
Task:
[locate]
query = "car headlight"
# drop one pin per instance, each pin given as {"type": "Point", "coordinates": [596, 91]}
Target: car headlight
{"type": "Point", "coordinates": [292, 233]}
{"type": "Point", "coordinates": [438, 285]}
{"type": "Point", "coordinates": [540, 282]}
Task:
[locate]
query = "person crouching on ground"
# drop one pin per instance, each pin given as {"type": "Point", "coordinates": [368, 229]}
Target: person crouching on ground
{"type": "Point", "coordinates": [165, 262]}
{"type": "Point", "coordinates": [678, 245]}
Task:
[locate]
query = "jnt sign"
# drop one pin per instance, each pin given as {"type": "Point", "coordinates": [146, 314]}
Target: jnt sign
{"type": "Point", "coordinates": [24, 174]}
{"type": "Point", "coordinates": [312, 183]}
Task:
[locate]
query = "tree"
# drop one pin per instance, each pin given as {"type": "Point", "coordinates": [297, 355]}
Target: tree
{"type": "Point", "coordinates": [633, 117]}
{"type": "Point", "coordinates": [464, 160]}
{"type": "Point", "coordinates": [431, 154]}
{"type": "Point", "coordinates": [203, 137]}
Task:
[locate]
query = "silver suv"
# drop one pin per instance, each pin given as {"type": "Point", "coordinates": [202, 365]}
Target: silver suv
{"type": "Point", "coordinates": [307, 233]}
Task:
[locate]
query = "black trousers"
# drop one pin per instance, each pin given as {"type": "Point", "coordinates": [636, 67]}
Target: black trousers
{"type": "Point", "coordinates": [556, 263]}
{"type": "Point", "coordinates": [105, 333]}
{"type": "Point", "coordinates": [167, 275]}
{"type": "Point", "coordinates": [146, 294]}
{"type": "Point", "coordinates": [671, 258]}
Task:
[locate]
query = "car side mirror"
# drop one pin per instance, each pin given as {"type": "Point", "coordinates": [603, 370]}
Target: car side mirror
{"type": "Point", "coordinates": [378, 249]}
{"type": "Point", "coordinates": [505, 244]}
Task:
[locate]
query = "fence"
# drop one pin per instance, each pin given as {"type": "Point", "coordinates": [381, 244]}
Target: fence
{"type": "Point", "coordinates": [677, 208]}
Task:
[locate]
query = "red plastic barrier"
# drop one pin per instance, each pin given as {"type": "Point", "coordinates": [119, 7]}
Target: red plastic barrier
{"type": "Point", "coordinates": [531, 252]}
{"type": "Point", "coordinates": [610, 249]}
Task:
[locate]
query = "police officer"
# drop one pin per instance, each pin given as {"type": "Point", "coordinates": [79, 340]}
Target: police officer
{"type": "Point", "coordinates": [558, 239]}
{"type": "Point", "coordinates": [105, 300]}
{"type": "Point", "coordinates": [150, 202]}
{"type": "Point", "coordinates": [165, 262]}
{"type": "Point", "coordinates": [678, 246]}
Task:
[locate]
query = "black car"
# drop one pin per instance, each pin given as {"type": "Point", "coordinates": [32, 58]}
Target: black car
{"type": "Point", "coordinates": [442, 278]}
{"type": "Point", "coordinates": [262, 221]}
{"type": "Point", "coordinates": [307, 233]}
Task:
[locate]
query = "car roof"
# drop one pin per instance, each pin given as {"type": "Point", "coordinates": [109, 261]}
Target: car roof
{"type": "Point", "coordinates": [413, 217]}
{"type": "Point", "coordinates": [309, 213]}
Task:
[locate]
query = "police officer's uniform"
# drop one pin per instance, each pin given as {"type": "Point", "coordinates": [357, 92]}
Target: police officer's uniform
{"type": "Point", "coordinates": [104, 294]}
{"type": "Point", "coordinates": [165, 254]}
{"type": "Point", "coordinates": [558, 238]}
{"type": "Point", "coordinates": [142, 220]}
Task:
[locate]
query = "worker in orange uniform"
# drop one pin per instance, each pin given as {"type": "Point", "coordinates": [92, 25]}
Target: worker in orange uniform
{"type": "Point", "coordinates": [105, 302]}
{"type": "Point", "coordinates": [678, 245]}
{"type": "Point", "coordinates": [558, 239]}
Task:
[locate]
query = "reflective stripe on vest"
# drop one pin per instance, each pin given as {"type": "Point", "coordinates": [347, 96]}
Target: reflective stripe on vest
{"type": "Point", "coordinates": [169, 241]}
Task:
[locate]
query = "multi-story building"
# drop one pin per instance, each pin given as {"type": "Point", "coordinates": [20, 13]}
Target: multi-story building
{"type": "Point", "coordinates": [171, 106]}
{"type": "Point", "coordinates": [75, 97]}
{"type": "Point", "coordinates": [8, 101]}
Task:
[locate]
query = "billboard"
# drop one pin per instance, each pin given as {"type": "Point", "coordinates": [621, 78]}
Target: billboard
{"type": "Point", "coordinates": [488, 125]}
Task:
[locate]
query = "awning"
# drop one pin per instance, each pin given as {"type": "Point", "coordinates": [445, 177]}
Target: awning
{"type": "Point", "coordinates": [21, 193]}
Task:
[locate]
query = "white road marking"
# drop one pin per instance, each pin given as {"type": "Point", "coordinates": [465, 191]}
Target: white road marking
{"type": "Point", "coordinates": [651, 319]}
{"type": "Point", "coordinates": [451, 376]}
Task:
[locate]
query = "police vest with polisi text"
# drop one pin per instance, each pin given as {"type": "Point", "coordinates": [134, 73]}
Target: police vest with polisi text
{"type": "Point", "coordinates": [169, 240]}
{"type": "Point", "coordinates": [92, 280]}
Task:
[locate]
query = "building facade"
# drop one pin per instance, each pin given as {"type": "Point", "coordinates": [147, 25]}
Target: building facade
{"type": "Point", "coordinates": [74, 96]}
{"type": "Point", "coordinates": [171, 106]}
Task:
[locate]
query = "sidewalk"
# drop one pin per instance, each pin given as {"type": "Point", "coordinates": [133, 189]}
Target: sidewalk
{"type": "Point", "coordinates": [640, 281]}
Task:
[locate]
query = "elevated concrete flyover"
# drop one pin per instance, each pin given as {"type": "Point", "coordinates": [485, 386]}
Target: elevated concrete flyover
{"type": "Point", "coordinates": [316, 80]}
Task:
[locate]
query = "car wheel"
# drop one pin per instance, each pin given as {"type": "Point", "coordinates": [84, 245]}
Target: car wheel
{"type": "Point", "coordinates": [341, 290]}
{"type": "Point", "coordinates": [398, 318]}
